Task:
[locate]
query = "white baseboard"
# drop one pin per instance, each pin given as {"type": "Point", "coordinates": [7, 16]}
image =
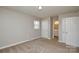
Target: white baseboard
{"type": "Point", "coordinates": [72, 45]}
{"type": "Point", "coordinates": [14, 44]}
{"type": "Point", "coordinates": [46, 38]}
{"type": "Point", "coordinates": [7, 46]}
{"type": "Point", "coordinates": [36, 38]}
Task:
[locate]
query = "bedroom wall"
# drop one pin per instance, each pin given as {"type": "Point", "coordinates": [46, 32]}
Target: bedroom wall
{"type": "Point", "coordinates": [16, 27]}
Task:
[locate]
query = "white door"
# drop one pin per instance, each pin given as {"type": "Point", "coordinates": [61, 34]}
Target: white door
{"type": "Point", "coordinates": [74, 31]}
{"type": "Point", "coordinates": [64, 30]}
{"type": "Point", "coordinates": [44, 28]}
{"type": "Point", "coordinates": [70, 30]}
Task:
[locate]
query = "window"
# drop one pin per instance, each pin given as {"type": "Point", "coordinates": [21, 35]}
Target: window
{"type": "Point", "coordinates": [36, 24]}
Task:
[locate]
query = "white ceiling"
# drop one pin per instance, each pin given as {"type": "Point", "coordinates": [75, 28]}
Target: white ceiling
{"type": "Point", "coordinates": [46, 11]}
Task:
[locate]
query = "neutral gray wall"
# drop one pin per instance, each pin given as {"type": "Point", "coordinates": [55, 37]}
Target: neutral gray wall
{"type": "Point", "coordinates": [16, 27]}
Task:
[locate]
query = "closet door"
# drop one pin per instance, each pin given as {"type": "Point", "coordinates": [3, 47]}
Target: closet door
{"type": "Point", "coordinates": [66, 24]}
{"type": "Point", "coordinates": [64, 30]}
{"type": "Point", "coordinates": [70, 30]}
{"type": "Point", "coordinates": [74, 31]}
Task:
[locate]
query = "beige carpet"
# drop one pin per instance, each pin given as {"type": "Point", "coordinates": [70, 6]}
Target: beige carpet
{"type": "Point", "coordinates": [40, 46]}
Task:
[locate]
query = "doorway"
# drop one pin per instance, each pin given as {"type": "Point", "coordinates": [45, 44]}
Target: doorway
{"type": "Point", "coordinates": [55, 28]}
